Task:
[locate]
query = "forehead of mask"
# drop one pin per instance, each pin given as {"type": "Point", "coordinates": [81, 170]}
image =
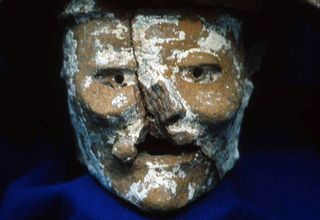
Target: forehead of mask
{"type": "Point", "coordinates": [176, 48]}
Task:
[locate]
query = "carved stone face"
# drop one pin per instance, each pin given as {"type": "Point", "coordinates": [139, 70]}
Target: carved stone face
{"type": "Point", "coordinates": [157, 100]}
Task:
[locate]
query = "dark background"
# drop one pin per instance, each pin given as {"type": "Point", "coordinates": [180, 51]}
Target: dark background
{"type": "Point", "coordinates": [280, 136]}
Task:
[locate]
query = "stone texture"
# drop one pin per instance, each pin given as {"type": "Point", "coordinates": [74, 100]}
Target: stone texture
{"type": "Point", "coordinates": [176, 76]}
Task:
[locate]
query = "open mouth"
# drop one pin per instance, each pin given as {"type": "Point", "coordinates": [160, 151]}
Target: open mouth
{"type": "Point", "coordinates": [159, 147]}
{"type": "Point", "coordinates": [153, 148]}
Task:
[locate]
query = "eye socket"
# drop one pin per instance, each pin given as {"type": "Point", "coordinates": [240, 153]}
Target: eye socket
{"type": "Point", "coordinates": [197, 72]}
{"type": "Point", "coordinates": [119, 79]}
{"type": "Point", "coordinates": [205, 73]}
{"type": "Point", "coordinates": [113, 77]}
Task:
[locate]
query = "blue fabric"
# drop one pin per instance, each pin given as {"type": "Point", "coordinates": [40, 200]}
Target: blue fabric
{"type": "Point", "coordinates": [265, 184]}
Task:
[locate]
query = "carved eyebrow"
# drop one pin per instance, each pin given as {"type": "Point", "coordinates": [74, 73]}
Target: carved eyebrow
{"type": "Point", "coordinates": [202, 65]}
{"type": "Point", "coordinates": [198, 59]}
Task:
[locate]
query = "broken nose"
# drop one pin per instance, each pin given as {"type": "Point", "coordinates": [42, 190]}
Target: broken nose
{"type": "Point", "coordinates": [124, 151]}
{"type": "Point", "coordinates": [163, 102]}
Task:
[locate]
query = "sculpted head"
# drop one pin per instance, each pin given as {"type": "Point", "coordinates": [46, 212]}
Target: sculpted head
{"type": "Point", "coordinates": [157, 99]}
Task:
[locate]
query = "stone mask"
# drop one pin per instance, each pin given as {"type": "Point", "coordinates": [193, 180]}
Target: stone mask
{"type": "Point", "coordinates": [157, 100]}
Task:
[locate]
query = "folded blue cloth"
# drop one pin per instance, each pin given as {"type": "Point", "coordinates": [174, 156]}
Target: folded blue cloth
{"type": "Point", "coordinates": [265, 184]}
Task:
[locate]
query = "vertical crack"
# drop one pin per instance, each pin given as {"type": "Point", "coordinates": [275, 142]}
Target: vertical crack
{"type": "Point", "coordinates": [131, 41]}
{"type": "Point", "coordinates": [140, 87]}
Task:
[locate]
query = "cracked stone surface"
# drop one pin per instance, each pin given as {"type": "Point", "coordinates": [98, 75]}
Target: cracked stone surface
{"type": "Point", "coordinates": [157, 99]}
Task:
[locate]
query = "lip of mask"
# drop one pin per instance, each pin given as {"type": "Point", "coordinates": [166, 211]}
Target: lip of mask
{"type": "Point", "coordinates": [157, 99]}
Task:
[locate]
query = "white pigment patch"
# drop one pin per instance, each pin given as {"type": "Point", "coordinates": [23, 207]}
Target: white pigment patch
{"type": "Point", "coordinates": [87, 81]}
{"type": "Point", "coordinates": [70, 61]}
{"type": "Point", "coordinates": [120, 31]}
{"type": "Point", "coordinates": [156, 178]}
{"type": "Point", "coordinates": [100, 31]}
{"type": "Point", "coordinates": [191, 191]}
{"type": "Point", "coordinates": [214, 41]}
{"type": "Point", "coordinates": [119, 101]}
{"type": "Point", "coordinates": [79, 6]}
{"type": "Point", "coordinates": [107, 56]}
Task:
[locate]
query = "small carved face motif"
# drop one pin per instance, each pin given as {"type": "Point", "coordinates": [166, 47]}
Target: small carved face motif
{"type": "Point", "coordinates": [157, 102]}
